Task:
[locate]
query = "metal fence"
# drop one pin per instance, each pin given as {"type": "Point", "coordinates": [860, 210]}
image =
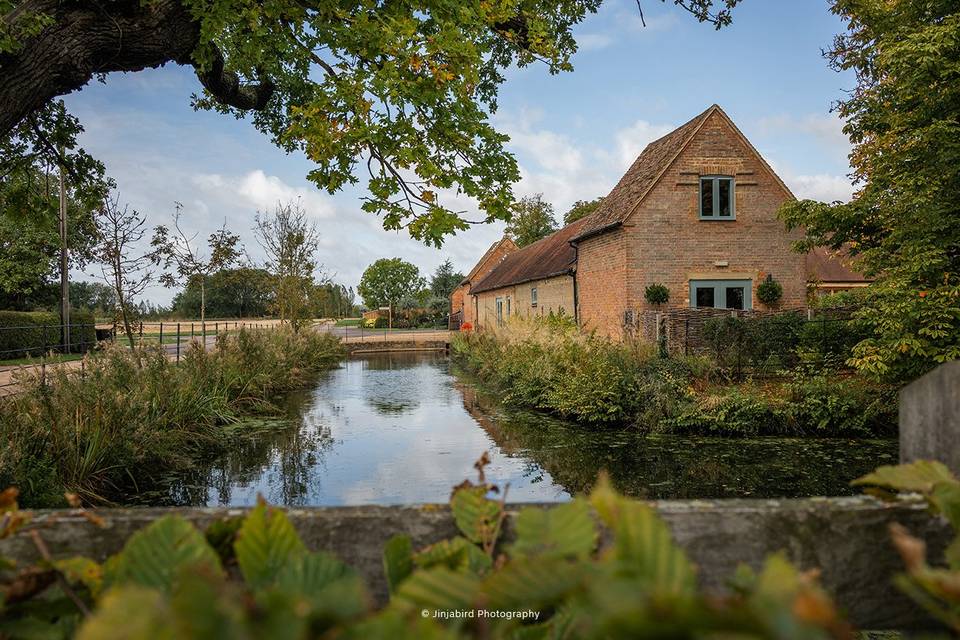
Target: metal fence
{"type": "Point", "coordinates": [360, 332]}
{"type": "Point", "coordinates": [41, 345]}
{"type": "Point", "coordinates": [756, 343]}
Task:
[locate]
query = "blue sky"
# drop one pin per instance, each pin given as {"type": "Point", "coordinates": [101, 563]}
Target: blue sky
{"type": "Point", "coordinates": [574, 134]}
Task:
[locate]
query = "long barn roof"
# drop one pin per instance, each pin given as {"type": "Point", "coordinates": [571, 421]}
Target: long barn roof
{"type": "Point", "coordinates": [545, 258]}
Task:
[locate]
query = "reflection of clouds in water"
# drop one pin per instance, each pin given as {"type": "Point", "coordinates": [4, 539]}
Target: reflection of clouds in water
{"type": "Point", "coordinates": [384, 429]}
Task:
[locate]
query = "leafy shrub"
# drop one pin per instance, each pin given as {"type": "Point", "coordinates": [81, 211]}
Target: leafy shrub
{"type": "Point", "coordinates": [547, 364]}
{"type": "Point", "coordinates": [30, 333]}
{"type": "Point", "coordinates": [553, 367]}
{"type": "Point", "coordinates": [769, 291]}
{"type": "Point", "coordinates": [135, 415]}
{"type": "Point", "coordinates": [843, 406]}
{"type": "Point", "coordinates": [173, 581]}
{"type": "Point", "coordinates": [809, 404]}
{"type": "Point", "coordinates": [830, 340]}
{"type": "Point", "coordinates": [656, 294]}
{"type": "Point", "coordinates": [733, 413]}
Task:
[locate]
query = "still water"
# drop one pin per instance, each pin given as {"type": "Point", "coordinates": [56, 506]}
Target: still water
{"type": "Point", "coordinates": [405, 427]}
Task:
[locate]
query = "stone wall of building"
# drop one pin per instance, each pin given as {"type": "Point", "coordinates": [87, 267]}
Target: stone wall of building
{"type": "Point", "coordinates": [554, 295]}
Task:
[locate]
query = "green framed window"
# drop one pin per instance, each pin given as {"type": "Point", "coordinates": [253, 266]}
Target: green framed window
{"type": "Point", "coordinates": [717, 198]}
{"type": "Point", "coordinates": [721, 294]}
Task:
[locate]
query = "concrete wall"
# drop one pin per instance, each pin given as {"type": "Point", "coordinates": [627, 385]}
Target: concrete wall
{"type": "Point", "coordinates": [930, 417]}
{"type": "Point", "coordinates": [847, 538]}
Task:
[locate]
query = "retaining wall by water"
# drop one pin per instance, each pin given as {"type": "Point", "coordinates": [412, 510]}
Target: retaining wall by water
{"type": "Point", "coordinates": [380, 346]}
{"type": "Point", "coordinates": [846, 538]}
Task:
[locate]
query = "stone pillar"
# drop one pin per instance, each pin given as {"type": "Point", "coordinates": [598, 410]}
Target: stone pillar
{"type": "Point", "coordinates": [930, 417]}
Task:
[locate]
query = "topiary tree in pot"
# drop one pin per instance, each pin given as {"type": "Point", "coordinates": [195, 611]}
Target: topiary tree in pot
{"type": "Point", "coordinates": [657, 294]}
{"type": "Point", "coordinates": [769, 291]}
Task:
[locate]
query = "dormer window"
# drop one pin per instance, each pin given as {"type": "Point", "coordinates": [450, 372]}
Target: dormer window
{"type": "Point", "coordinates": [717, 198]}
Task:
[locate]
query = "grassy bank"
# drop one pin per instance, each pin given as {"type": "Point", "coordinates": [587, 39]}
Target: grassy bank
{"type": "Point", "coordinates": [126, 423]}
{"type": "Point", "coordinates": [549, 365]}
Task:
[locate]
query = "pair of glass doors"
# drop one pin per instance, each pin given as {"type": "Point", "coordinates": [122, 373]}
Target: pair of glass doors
{"type": "Point", "coordinates": [721, 294]}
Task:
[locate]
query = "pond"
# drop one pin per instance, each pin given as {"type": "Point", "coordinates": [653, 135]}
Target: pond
{"type": "Point", "coordinates": [403, 428]}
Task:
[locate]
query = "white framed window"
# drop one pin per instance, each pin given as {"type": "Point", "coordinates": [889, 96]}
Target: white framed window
{"type": "Point", "coordinates": [533, 296]}
{"type": "Point", "coordinates": [717, 198]}
{"type": "Point", "coordinates": [499, 305]}
{"type": "Point", "coordinates": [721, 294]}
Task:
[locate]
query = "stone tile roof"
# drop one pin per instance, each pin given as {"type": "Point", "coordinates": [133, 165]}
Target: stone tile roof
{"type": "Point", "coordinates": [475, 273]}
{"type": "Point", "coordinates": [545, 258]}
{"type": "Point", "coordinates": [641, 176]}
{"type": "Point", "coordinates": [832, 266]}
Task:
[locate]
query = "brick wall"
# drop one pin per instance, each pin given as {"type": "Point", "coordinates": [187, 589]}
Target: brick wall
{"type": "Point", "coordinates": [602, 282]}
{"type": "Point", "coordinates": [461, 299]}
{"type": "Point", "coordinates": [669, 244]}
{"type": "Point", "coordinates": [665, 242]}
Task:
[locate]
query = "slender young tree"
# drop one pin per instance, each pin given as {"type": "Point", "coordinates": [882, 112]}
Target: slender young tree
{"type": "Point", "coordinates": [290, 241]}
{"type": "Point", "coordinates": [124, 267]}
{"type": "Point", "coordinates": [181, 254]}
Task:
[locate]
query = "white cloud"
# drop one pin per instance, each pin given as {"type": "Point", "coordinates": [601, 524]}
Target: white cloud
{"type": "Point", "coordinates": [632, 140]}
{"type": "Point", "coordinates": [823, 187]}
{"type": "Point", "coordinates": [263, 192]}
{"type": "Point", "coordinates": [826, 129]}
{"type": "Point", "coordinates": [593, 41]}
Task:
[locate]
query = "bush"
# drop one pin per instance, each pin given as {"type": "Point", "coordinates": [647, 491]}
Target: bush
{"type": "Point", "coordinates": [808, 404]}
{"type": "Point", "coordinates": [548, 364]}
{"type": "Point", "coordinates": [769, 291]}
{"type": "Point", "coordinates": [135, 416]}
{"type": "Point", "coordinates": [762, 344]}
{"type": "Point", "coordinates": [551, 366]}
{"type": "Point", "coordinates": [656, 294]}
{"type": "Point", "coordinates": [32, 333]}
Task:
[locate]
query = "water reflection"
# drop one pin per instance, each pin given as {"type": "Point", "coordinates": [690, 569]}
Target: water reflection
{"type": "Point", "coordinates": [402, 428]}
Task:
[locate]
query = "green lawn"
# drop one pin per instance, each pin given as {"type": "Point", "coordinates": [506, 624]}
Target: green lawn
{"type": "Point", "coordinates": [57, 357]}
{"type": "Point", "coordinates": [348, 322]}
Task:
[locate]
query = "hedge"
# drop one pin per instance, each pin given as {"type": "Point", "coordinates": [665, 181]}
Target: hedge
{"type": "Point", "coordinates": [29, 333]}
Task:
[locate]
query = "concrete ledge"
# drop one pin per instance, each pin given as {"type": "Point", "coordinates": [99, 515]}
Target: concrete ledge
{"type": "Point", "coordinates": [847, 538]}
{"type": "Point", "coordinates": [382, 346]}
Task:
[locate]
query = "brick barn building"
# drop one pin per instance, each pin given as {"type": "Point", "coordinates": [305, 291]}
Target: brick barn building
{"type": "Point", "coordinates": [695, 212]}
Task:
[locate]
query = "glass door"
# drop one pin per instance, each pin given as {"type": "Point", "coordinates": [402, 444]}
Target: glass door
{"type": "Point", "coordinates": [721, 294]}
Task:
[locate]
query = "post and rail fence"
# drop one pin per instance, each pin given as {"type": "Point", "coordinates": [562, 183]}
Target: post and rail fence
{"type": "Point", "coordinates": [42, 346]}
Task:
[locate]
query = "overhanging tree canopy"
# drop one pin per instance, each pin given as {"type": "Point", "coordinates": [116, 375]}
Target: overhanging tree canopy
{"type": "Point", "coordinates": [402, 88]}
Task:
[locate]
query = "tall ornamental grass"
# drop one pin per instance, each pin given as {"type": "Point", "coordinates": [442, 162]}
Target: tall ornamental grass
{"type": "Point", "coordinates": [135, 416]}
{"type": "Point", "coordinates": [548, 364]}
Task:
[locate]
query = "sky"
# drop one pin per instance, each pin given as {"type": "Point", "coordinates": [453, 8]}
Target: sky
{"type": "Point", "coordinates": [574, 134]}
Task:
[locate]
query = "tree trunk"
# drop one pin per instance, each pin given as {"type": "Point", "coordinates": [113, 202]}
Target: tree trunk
{"type": "Point", "coordinates": [87, 38]}
{"type": "Point", "coordinates": [90, 37]}
{"type": "Point", "coordinates": [203, 311]}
